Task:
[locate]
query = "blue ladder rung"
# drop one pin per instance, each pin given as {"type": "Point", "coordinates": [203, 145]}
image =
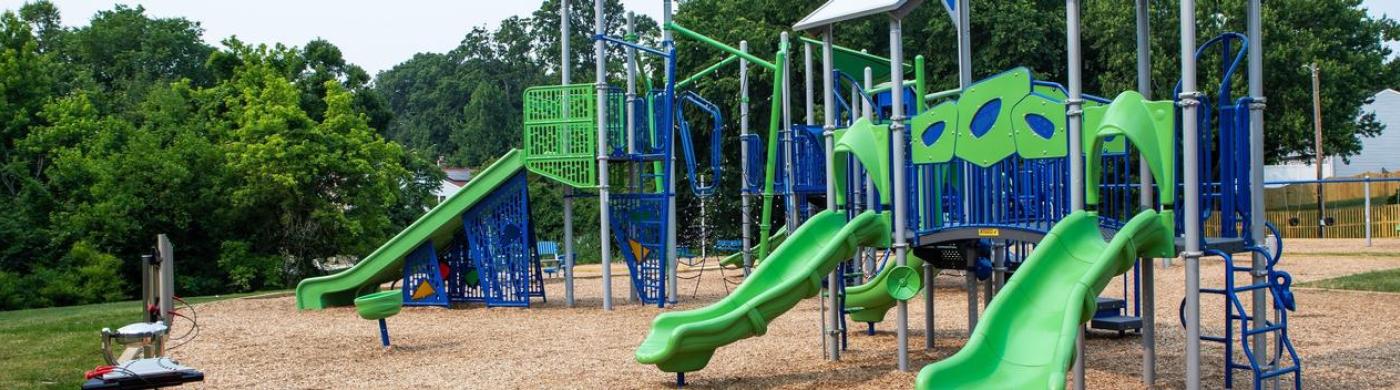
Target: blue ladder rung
{"type": "Point", "coordinates": [1266, 329]}
{"type": "Point", "coordinates": [1274, 373]}
{"type": "Point", "coordinates": [1252, 287]}
{"type": "Point", "coordinates": [1213, 291]}
{"type": "Point", "coordinates": [1217, 339]}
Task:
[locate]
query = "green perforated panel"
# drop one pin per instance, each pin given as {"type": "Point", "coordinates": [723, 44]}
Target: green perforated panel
{"type": "Point", "coordinates": [1035, 116]}
{"type": "Point", "coordinates": [561, 133]}
{"type": "Point", "coordinates": [988, 138]}
{"type": "Point", "coordinates": [934, 134]}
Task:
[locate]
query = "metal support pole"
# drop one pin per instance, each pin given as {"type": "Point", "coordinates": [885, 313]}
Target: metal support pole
{"type": "Point", "coordinates": [564, 70]}
{"type": "Point", "coordinates": [1148, 297]}
{"type": "Point", "coordinates": [964, 34]}
{"type": "Point", "coordinates": [809, 111]}
{"type": "Point", "coordinates": [901, 244]}
{"type": "Point", "coordinates": [1257, 218]}
{"type": "Point", "coordinates": [870, 199]}
{"type": "Point", "coordinates": [790, 199]}
{"type": "Point", "coordinates": [672, 293]}
{"type": "Point", "coordinates": [633, 170]}
{"type": "Point", "coordinates": [1366, 185]}
{"type": "Point", "coordinates": [1079, 359]}
{"type": "Point", "coordinates": [1189, 101]}
{"type": "Point", "coordinates": [601, 87]}
{"type": "Point", "coordinates": [166, 300]}
{"type": "Point", "coordinates": [746, 197]}
{"type": "Point", "coordinates": [1075, 114]}
{"type": "Point", "coordinates": [828, 134]}
{"type": "Point", "coordinates": [383, 333]}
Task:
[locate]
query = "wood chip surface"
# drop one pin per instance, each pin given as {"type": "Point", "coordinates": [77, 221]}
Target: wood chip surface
{"type": "Point", "coordinates": [1348, 340]}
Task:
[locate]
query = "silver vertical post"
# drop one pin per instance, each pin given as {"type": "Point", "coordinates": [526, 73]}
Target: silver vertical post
{"type": "Point", "coordinates": [601, 86]}
{"type": "Point", "coordinates": [1366, 185]}
{"type": "Point", "coordinates": [633, 172]}
{"type": "Point", "coordinates": [808, 84]}
{"type": "Point", "coordinates": [901, 245]}
{"type": "Point", "coordinates": [564, 79]}
{"type": "Point", "coordinates": [1256, 168]}
{"type": "Point", "coordinates": [671, 265]}
{"type": "Point", "coordinates": [1074, 112]}
{"type": "Point", "coordinates": [870, 199]}
{"type": "Point", "coordinates": [1148, 297]}
{"type": "Point", "coordinates": [964, 27]}
{"type": "Point", "coordinates": [166, 278]}
{"type": "Point", "coordinates": [790, 199]}
{"type": "Point", "coordinates": [1189, 101]}
{"type": "Point", "coordinates": [747, 198]}
{"type": "Point", "coordinates": [828, 134]}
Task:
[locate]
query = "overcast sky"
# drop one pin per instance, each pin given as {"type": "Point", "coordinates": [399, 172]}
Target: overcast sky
{"type": "Point", "coordinates": [374, 34]}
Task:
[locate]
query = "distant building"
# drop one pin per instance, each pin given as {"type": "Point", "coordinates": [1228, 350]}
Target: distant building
{"type": "Point", "coordinates": [1378, 154]}
{"type": "Point", "coordinates": [456, 178]}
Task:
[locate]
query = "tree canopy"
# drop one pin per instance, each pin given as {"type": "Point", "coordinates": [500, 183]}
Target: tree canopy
{"type": "Point", "coordinates": [264, 162]}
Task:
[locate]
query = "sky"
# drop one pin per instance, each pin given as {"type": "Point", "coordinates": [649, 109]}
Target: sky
{"type": "Point", "coordinates": [370, 34]}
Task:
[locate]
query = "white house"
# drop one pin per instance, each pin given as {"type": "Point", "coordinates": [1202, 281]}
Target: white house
{"type": "Point", "coordinates": [1381, 152]}
{"type": "Point", "coordinates": [456, 178]}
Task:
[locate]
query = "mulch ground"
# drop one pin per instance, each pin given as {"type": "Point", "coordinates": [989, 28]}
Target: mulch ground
{"type": "Point", "coordinates": [1347, 340]}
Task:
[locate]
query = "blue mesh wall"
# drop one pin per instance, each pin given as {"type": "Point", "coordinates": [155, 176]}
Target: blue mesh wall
{"type": "Point", "coordinates": [421, 272]}
{"type": "Point", "coordinates": [641, 219]}
{"type": "Point", "coordinates": [499, 243]}
{"type": "Point", "coordinates": [463, 280]}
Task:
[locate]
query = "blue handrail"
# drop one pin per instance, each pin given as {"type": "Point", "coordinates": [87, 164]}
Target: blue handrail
{"type": "Point", "coordinates": [688, 146]}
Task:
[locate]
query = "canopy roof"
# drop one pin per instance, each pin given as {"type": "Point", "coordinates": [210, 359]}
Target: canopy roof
{"type": "Point", "coordinates": [842, 10]}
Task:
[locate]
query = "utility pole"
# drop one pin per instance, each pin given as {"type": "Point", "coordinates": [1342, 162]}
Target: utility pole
{"type": "Point", "coordinates": [1317, 149]}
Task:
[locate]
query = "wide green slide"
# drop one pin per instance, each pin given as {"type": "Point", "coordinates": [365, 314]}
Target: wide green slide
{"type": "Point", "coordinates": [386, 263]}
{"type": "Point", "coordinates": [684, 341]}
{"type": "Point", "coordinates": [1026, 340]}
{"type": "Point", "coordinates": [870, 301]}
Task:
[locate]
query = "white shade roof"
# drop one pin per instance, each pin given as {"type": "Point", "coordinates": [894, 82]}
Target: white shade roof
{"type": "Point", "coordinates": [842, 10]}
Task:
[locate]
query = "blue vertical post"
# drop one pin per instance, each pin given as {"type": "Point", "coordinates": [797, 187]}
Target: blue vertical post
{"type": "Point", "coordinates": [383, 333]}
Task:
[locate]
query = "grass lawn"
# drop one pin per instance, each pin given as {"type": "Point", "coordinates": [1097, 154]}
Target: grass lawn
{"type": "Point", "coordinates": [53, 347]}
{"type": "Point", "coordinates": [1383, 280]}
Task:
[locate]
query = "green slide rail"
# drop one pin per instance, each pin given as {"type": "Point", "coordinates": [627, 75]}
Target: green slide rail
{"type": "Point", "coordinates": [386, 263]}
{"type": "Point", "coordinates": [1026, 340]}
{"type": "Point", "coordinates": [684, 341]}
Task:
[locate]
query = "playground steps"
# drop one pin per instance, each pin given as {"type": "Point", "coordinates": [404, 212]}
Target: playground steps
{"type": "Point", "coordinates": [1110, 316]}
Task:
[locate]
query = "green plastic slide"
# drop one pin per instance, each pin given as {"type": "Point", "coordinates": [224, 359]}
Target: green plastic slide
{"type": "Point", "coordinates": [736, 259]}
{"type": "Point", "coordinates": [684, 341]}
{"type": "Point", "coordinates": [386, 263]}
{"type": "Point", "coordinates": [870, 301]}
{"type": "Point", "coordinates": [1026, 340]}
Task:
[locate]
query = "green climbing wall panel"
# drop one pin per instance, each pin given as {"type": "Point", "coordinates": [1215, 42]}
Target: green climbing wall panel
{"type": "Point", "coordinates": [985, 131]}
{"type": "Point", "coordinates": [935, 134]}
{"type": "Point", "coordinates": [1039, 122]}
{"type": "Point", "coordinates": [561, 133]}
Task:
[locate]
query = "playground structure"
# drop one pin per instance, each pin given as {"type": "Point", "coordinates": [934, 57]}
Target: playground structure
{"type": "Point", "coordinates": [986, 178]}
{"type": "Point", "coordinates": [1014, 184]}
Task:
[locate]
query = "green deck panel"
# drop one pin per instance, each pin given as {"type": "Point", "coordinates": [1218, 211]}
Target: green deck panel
{"type": "Point", "coordinates": [999, 142]}
{"type": "Point", "coordinates": [870, 145]}
{"type": "Point", "coordinates": [736, 259]}
{"type": "Point", "coordinates": [1026, 338]}
{"type": "Point", "coordinates": [942, 148]}
{"type": "Point", "coordinates": [684, 341]}
{"type": "Point", "coordinates": [870, 301]}
{"type": "Point", "coordinates": [385, 264]}
{"type": "Point", "coordinates": [1031, 145]}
